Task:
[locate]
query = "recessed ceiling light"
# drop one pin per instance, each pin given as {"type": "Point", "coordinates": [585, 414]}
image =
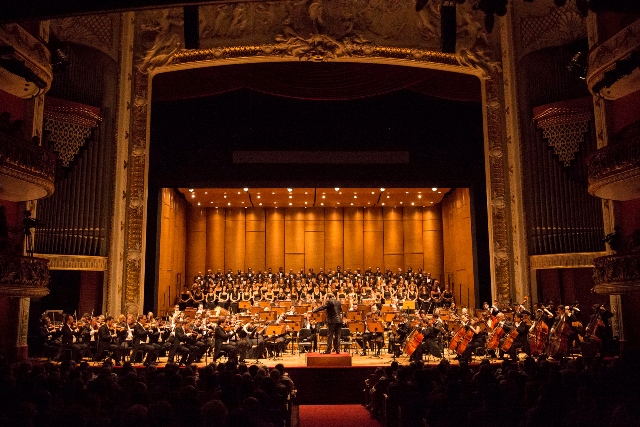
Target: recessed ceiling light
{"type": "Point", "coordinates": [243, 203]}
{"type": "Point", "coordinates": [275, 203]}
{"type": "Point", "coordinates": [273, 192]}
{"type": "Point", "coordinates": [239, 192]}
{"type": "Point", "coordinates": [291, 197]}
{"type": "Point", "coordinates": [340, 192]}
{"type": "Point", "coordinates": [400, 202]}
{"type": "Point", "coordinates": [191, 190]}
{"type": "Point", "coordinates": [324, 197]}
{"type": "Point", "coordinates": [216, 207]}
{"type": "Point", "coordinates": [225, 197]}
{"type": "Point", "coordinates": [198, 203]}
{"type": "Point", "coordinates": [289, 190]}
{"type": "Point", "coordinates": [382, 189]}
{"type": "Point", "coordinates": [434, 189]}
{"type": "Point", "coordinates": [211, 202]}
{"type": "Point", "coordinates": [419, 196]}
{"type": "Point", "coordinates": [388, 197]}
{"type": "Point", "coordinates": [229, 204]}
{"type": "Point", "coordinates": [206, 192]}
{"type": "Point", "coordinates": [355, 197]}
{"type": "Point", "coordinates": [245, 189]}
{"type": "Point", "coordinates": [306, 192]}
{"type": "Point", "coordinates": [338, 202]}
{"type": "Point", "coordinates": [439, 192]}
{"type": "Point", "coordinates": [258, 197]}
{"type": "Point", "coordinates": [337, 189]}
{"type": "Point", "coordinates": [431, 202]}
{"type": "Point", "coordinates": [305, 203]}
{"type": "Point", "coordinates": [383, 204]}
{"type": "Point", "coordinates": [373, 192]}
{"type": "Point", "coordinates": [321, 204]}
{"type": "Point", "coordinates": [406, 192]}
{"type": "Point", "coordinates": [290, 204]}
{"type": "Point", "coordinates": [193, 196]}
{"type": "Point", "coordinates": [411, 203]}
{"type": "Point", "coordinates": [259, 204]}
{"type": "Point", "coordinates": [351, 204]}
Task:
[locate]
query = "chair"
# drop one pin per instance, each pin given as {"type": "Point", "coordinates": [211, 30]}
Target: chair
{"type": "Point", "coordinates": [304, 339]}
{"type": "Point", "coordinates": [345, 340]}
{"type": "Point", "coordinates": [322, 338]}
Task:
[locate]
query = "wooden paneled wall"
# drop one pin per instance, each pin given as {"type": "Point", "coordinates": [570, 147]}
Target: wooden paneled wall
{"type": "Point", "coordinates": [171, 247]}
{"type": "Point", "coordinates": [459, 266]}
{"type": "Point", "coordinates": [313, 238]}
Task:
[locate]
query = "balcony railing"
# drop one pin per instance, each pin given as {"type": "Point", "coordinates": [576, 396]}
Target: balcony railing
{"type": "Point", "coordinates": [24, 161]}
{"type": "Point", "coordinates": [617, 274]}
{"type": "Point", "coordinates": [22, 276]}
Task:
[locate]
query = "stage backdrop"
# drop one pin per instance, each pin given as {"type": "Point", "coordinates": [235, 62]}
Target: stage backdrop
{"type": "Point", "coordinates": [195, 239]}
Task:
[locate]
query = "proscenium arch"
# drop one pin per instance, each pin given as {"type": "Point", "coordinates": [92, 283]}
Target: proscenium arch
{"type": "Point", "coordinates": [136, 198]}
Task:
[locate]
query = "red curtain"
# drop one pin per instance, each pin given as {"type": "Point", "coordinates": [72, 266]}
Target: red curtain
{"type": "Point", "coordinates": [315, 81]}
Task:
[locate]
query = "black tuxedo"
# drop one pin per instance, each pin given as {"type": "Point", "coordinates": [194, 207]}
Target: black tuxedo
{"type": "Point", "coordinates": [220, 336]}
{"type": "Point", "coordinates": [106, 344]}
{"type": "Point", "coordinates": [333, 307]}
{"type": "Point", "coordinates": [140, 335]}
{"type": "Point", "coordinates": [78, 350]}
{"type": "Point", "coordinates": [179, 338]}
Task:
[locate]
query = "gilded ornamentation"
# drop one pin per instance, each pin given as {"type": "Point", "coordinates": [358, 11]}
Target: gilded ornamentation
{"type": "Point", "coordinates": [97, 31]}
{"type": "Point", "coordinates": [30, 163]}
{"type": "Point", "coordinates": [561, 25]}
{"type": "Point", "coordinates": [69, 127]}
{"type": "Point", "coordinates": [75, 262]}
{"type": "Point", "coordinates": [573, 260]}
{"type": "Point", "coordinates": [26, 277]}
{"type": "Point", "coordinates": [159, 38]}
{"type": "Point", "coordinates": [615, 162]}
{"type": "Point", "coordinates": [616, 274]}
{"type": "Point", "coordinates": [565, 129]}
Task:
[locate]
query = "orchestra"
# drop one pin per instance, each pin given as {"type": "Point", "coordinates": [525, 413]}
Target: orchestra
{"type": "Point", "coordinates": [263, 314]}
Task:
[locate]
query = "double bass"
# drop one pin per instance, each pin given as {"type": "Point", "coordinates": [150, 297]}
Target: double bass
{"type": "Point", "coordinates": [559, 338]}
{"type": "Point", "coordinates": [538, 336]}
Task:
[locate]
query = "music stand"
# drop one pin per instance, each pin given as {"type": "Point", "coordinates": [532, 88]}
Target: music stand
{"type": "Point", "coordinates": [301, 309]}
{"type": "Point", "coordinates": [274, 331]}
{"type": "Point", "coordinates": [355, 315]}
{"type": "Point", "coordinates": [244, 305]}
{"type": "Point", "coordinates": [375, 327]}
{"type": "Point", "coordinates": [389, 316]}
{"type": "Point", "coordinates": [409, 306]}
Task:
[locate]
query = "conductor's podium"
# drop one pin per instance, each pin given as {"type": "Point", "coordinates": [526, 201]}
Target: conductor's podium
{"type": "Point", "coordinates": [320, 360]}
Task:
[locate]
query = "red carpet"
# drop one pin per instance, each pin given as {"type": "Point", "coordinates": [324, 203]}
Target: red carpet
{"type": "Point", "coordinates": [336, 415]}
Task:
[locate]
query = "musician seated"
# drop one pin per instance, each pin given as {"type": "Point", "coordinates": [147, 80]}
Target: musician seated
{"type": "Point", "coordinates": [106, 342]}
{"type": "Point", "coordinates": [520, 342]}
{"type": "Point", "coordinates": [221, 340]}
{"type": "Point", "coordinates": [47, 334]}
{"type": "Point", "coordinates": [478, 340]}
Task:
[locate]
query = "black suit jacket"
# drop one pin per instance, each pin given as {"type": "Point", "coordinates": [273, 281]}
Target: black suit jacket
{"type": "Point", "coordinates": [334, 310]}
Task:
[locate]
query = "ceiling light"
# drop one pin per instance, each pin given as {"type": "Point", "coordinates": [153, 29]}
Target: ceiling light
{"type": "Point", "coordinates": [193, 196]}
{"type": "Point", "coordinates": [258, 197]}
{"type": "Point", "coordinates": [411, 203]}
{"type": "Point", "coordinates": [198, 203]}
{"type": "Point", "coordinates": [259, 204]}
{"type": "Point", "coordinates": [216, 207]}
{"type": "Point", "coordinates": [355, 197]}
{"type": "Point", "coordinates": [229, 204]}
{"type": "Point", "coordinates": [324, 197]}
{"type": "Point", "coordinates": [321, 204]}
{"type": "Point", "coordinates": [382, 189]}
{"type": "Point", "coordinates": [439, 192]}
{"type": "Point", "coordinates": [340, 192]}
{"type": "Point", "coordinates": [388, 197]}
{"type": "Point", "coordinates": [338, 202]}
{"type": "Point", "coordinates": [419, 196]}
{"type": "Point", "coordinates": [434, 189]}
{"type": "Point", "coordinates": [431, 202]}
{"type": "Point", "coordinates": [289, 190]}
{"type": "Point", "coordinates": [225, 197]}
{"type": "Point", "coordinates": [400, 202]}
{"type": "Point", "coordinates": [406, 192]}
{"type": "Point", "coordinates": [305, 203]}
{"type": "Point", "coordinates": [211, 202]}
{"type": "Point", "coordinates": [206, 192]}
{"type": "Point", "coordinates": [243, 203]}
{"type": "Point", "coordinates": [291, 197]}
{"type": "Point", "coordinates": [245, 189]}
{"type": "Point", "coordinates": [383, 204]}
{"type": "Point", "coordinates": [290, 204]}
{"type": "Point", "coordinates": [191, 190]}
{"type": "Point", "coordinates": [239, 192]}
{"type": "Point", "coordinates": [306, 192]}
{"type": "Point", "coordinates": [337, 189]}
{"type": "Point", "coordinates": [373, 192]}
{"type": "Point", "coordinates": [351, 204]}
{"type": "Point", "coordinates": [273, 192]}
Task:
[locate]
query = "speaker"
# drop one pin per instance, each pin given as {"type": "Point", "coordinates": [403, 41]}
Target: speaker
{"type": "Point", "coordinates": [191, 27]}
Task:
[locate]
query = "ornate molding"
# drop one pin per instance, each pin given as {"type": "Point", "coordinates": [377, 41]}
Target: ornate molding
{"type": "Point", "coordinates": [499, 209]}
{"type": "Point", "coordinates": [69, 124]}
{"type": "Point", "coordinates": [572, 260]}
{"type": "Point", "coordinates": [605, 58]}
{"type": "Point", "coordinates": [32, 55]}
{"type": "Point", "coordinates": [558, 26]}
{"type": "Point", "coordinates": [564, 125]}
{"type": "Point", "coordinates": [25, 277]}
{"type": "Point", "coordinates": [614, 170]}
{"type": "Point", "coordinates": [97, 31]}
{"type": "Point", "coordinates": [617, 274]}
{"type": "Point", "coordinates": [24, 161]}
{"type": "Point", "coordinates": [75, 262]}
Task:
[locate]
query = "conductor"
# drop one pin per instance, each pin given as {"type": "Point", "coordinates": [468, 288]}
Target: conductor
{"type": "Point", "coordinates": [334, 322]}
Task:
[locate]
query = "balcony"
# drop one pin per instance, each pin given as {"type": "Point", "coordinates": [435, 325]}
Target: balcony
{"type": "Point", "coordinates": [617, 274]}
{"type": "Point", "coordinates": [27, 171]}
{"type": "Point", "coordinates": [24, 277]}
{"type": "Point", "coordinates": [614, 171]}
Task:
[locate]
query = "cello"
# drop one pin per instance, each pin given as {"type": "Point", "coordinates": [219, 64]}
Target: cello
{"type": "Point", "coordinates": [413, 341]}
{"type": "Point", "coordinates": [494, 338]}
{"type": "Point", "coordinates": [463, 337]}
